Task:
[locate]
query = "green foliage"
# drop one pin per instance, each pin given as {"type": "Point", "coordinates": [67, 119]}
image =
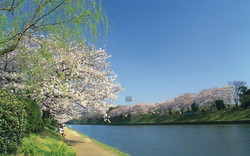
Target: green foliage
{"type": "Point", "coordinates": [68, 19]}
{"type": "Point", "coordinates": [111, 108]}
{"type": "Point", "coordinates": [219, 104]}
{"type": "Point", "coordinates": [50, 123]}
{"type": "Point", "coordinates": [45, 143]}
{"type": "Point", "coordinates": [245, 100]}
{"type": "Point", "coordinates": [242, 91]}
{"type": "Point", "coordinates": [34, 120]}
{"type": "Point", "coordinates": [12, 122]}
{"type": "Point", "coordinates": [194, 107]}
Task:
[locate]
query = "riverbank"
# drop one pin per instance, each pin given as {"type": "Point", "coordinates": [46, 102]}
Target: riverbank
{"type": "Point", "coordinates": [85, 146]}
{"type": "Point", "coordinates": [225, 116]}
{"type": "Point", "coordinates": [50, 142]}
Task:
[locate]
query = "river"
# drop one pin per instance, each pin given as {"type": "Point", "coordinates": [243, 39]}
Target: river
{"type": "Point", "coordinates": [173, 140]}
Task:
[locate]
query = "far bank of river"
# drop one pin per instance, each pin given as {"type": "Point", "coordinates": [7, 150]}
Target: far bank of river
{"type": "Point", "coordinates": [225, 116]}
{"type": "Point", "coordinates": [161, 140]}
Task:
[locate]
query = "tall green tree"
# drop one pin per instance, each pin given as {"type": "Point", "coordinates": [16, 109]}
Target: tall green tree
{"type": "Point", "coordinates": [245, 99]}
{"type": "Point", "coordinates": [68, 19]}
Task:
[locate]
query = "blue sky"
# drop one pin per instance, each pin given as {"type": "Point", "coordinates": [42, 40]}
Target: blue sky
{"type": "Point", "coordinates": [163, 48]}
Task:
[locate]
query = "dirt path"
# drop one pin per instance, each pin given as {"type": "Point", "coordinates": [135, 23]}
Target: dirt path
{"type": "Point", "coordinates": [85, 146]}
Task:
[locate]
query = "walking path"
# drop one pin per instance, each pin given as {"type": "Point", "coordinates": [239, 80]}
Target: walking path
{"type": "Point", "coordinates": [85, 146]}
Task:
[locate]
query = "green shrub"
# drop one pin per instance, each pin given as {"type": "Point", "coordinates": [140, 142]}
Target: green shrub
{"type": "Point", "coordinates": [12, 122]}
{"type": "Point", "coordinates": [245, 100]}
{"type": "Point", "coordinates": [34, 120]}
{"type": "Point", "coordinates": [50, 123]}
{"type": "Point", "coordinates": [219, 104]}
{"type": "Point", "coordinates": [194, 107]}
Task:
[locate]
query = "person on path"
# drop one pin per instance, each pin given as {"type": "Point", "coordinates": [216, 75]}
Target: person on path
{"type": "Point", "coordinates": [61, 131]}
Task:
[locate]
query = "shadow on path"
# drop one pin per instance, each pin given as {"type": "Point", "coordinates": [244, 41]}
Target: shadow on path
{"type": "Point", "coordinates": [73, 142]}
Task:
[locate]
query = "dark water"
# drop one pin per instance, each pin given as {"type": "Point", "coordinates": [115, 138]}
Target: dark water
{"type": "Point", "coordinates": [169, 140]}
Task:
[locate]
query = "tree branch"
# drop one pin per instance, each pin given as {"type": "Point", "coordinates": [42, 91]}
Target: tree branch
{"type": "Point", "coordinates": [11, 7]}
{"type": "Point", "coordinates": [31, 24]}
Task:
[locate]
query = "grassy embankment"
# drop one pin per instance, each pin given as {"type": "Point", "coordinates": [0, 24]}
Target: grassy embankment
{"type": "Point", "coordinates": [229, 115]}
{"type": "Point", "coordinates": [51, 143]}
{"type": "Point", "coordinates": [45, 143]}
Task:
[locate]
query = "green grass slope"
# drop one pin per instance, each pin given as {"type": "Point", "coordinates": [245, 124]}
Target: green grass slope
{"type": "Point", "coordinates": [46, 143]}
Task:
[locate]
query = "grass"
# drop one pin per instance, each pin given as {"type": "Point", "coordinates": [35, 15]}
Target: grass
{"type": "Point", "coordinates": [45, 143]}
{"type": "Point", "coordinates": [51, 143]}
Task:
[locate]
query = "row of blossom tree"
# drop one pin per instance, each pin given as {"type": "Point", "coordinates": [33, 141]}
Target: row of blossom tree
{"type": "Point", "coordinates": [205, 99]}
{"type": "Point", "coordinates": [65, 78]}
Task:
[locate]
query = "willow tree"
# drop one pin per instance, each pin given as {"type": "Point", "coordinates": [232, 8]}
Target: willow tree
{"type": "Point", "coordinates": [68, 19]}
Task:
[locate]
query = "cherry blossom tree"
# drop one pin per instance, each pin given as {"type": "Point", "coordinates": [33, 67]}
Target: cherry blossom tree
{"type": "Point", "coordinates": [207, 97]}
{"type": "Point", "coordinates": [166, 108]}
{"type": "Point", "coordinates": [141, 109]}
{"type": "Point", "coordinates": [132, 110]}
{"type": "Point", "coordinates": [120, 111]}
{"type": "Point", "coordinates": [184, 101]}
{"type": "Point", "coordinates": [61, 76]}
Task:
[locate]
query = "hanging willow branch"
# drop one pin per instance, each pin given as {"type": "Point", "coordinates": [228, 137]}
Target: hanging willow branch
{"type": "Point", "coordinates": [69, 19]}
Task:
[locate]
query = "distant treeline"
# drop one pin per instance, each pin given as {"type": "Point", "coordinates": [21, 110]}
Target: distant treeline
{"type": "Point", "coordinates": [188, 105]}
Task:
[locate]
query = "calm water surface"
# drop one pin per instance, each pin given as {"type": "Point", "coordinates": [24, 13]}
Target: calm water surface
{"type": "Point", "coordinates": [173, 140]}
